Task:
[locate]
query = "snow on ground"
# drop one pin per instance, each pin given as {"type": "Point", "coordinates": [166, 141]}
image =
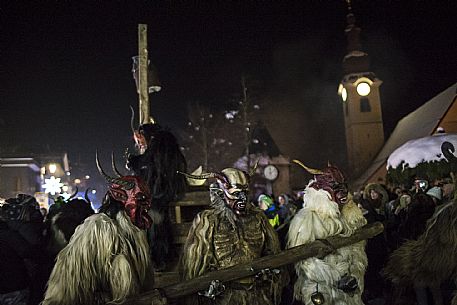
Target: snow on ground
{"type": "Point", "coordinates": [425, 149]}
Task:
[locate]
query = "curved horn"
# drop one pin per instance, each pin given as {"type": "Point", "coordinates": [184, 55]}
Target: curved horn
{"type": "Point", "coordinates": [308, 169]}
{"type": "Point", "coordinates": [132, 118]}
{"type": "Point", "coordinates": [127, 185]}
{"type": "Point", "coordinates": [199, 177]}
{"type": "Point", "coordinates": [113, 165]}
{"type": "Point", "coordinates": [86, 195]}
{"type": "Point", "coordinates": [252, 171]}
{"type": "Point", "coordinates": [74, 195]}
{"type": "Point", "coordinates": [101, 171]}
{"type": "Point", "coordinates": [205, 176]}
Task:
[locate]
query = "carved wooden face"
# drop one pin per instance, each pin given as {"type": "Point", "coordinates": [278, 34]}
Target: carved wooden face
{"type": "Point", "coordinates": [140, 141]}
{"type": "Point", "coordinates": [332, 181]}
{"type": "Point", "coordinates": [236, 190]}
{"type": "Point", "coordinates": [136, 200]}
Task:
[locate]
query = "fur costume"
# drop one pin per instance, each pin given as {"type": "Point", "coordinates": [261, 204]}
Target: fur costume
{"type": "Point", "coordinates": [106, 261]}
{"type": "Point", "coordinates": [225, 236]}
{"type": "Point", "coordinates": [321, 218]}
{"type": "Point", "coordinates": [158, 165]}
{"type": "Point", "coordinates": [63, 220]}
{"type": "Point", "coordinates": [432, 258]}
{"type": "Point", "coordinates": [107, 258]}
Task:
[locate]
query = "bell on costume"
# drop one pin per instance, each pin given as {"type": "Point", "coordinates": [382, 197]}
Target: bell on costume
{"type": "Point", "coordinates": [316, 297]}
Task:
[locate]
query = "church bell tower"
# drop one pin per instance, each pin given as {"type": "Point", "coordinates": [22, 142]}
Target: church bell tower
{"type": "Point", "coordinates": [359, 91]}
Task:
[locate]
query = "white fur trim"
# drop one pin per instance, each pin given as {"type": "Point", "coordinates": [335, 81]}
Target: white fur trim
{"type": "Point", "coordinates": [319, 219]}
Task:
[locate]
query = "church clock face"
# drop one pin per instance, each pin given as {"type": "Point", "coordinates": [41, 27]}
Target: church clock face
{"type": "Point", "coordinates": [270, 172]}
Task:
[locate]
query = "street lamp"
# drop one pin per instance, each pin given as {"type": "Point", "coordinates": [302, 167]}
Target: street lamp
{"type": "Point", "coordinates": [342, 92]}
{"type": "Point", "coordinates": [52, 168]}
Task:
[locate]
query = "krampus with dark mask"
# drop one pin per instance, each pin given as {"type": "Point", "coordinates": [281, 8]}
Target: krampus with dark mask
{"type": "Point", "coordinates": [231, 232]}
{"type": "Point", "coordinates": [157, 164]}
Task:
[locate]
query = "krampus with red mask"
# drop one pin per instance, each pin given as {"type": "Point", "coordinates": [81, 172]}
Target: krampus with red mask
{"type": "Point", "coordinates": [328, 210]}
{"type": "Point", "coordinates": [107, 258]}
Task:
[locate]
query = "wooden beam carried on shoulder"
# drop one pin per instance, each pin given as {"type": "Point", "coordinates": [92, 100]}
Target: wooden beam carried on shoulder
{"type": "Point", "coordinates": [318, 248]}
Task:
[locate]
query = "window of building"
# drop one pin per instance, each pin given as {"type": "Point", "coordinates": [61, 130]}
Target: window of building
{"type": "Point", "coordinates": [365, 105]}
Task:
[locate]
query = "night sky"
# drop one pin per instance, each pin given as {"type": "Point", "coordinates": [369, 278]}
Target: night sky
{"type": "Point", "coordinates": [66, 82]}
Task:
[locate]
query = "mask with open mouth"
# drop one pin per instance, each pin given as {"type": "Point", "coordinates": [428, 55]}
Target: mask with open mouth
{"type": "Point", "coordinates": [236, 199]}
{"type": "Point", "coordinates": [136, 199]}
{"type": "Point", "coordinates": [330, 179]}
{"type": "Point", "coordinates": [132, 193]}
{"type": "Point", "coordinates": [233, 186]}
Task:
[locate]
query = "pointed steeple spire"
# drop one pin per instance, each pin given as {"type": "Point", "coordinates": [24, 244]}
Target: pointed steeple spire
{"type": "Point", "coordinates": [355, 60]}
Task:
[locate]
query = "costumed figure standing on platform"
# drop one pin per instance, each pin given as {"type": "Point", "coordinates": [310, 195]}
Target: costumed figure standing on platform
{"type": "Point", "coordinates": [107, 258]}
{"type": "Point", "coordinates": [231, 232]}
{"type": "Point", "coordinates": [328, 210]}
{"type": "Point", "coordinates": [158, 163]}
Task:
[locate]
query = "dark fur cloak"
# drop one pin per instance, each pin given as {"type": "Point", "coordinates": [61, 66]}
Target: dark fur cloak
{"type": "Point", "coordinates": [432, 259]}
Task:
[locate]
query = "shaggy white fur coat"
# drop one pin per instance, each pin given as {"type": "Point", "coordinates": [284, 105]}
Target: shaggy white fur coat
{"type": "Point", "coordinates": [319, 219]}
{"type": "Point", "coordinates": [106, 261]}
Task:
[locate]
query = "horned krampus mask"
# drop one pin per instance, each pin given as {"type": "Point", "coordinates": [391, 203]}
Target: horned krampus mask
{"type": "Point", "coordinates": [132, 193]}
{"type": "Point", "coordinates": [233, 185]}
{"type": "Point", "coordinates": [330, 179]}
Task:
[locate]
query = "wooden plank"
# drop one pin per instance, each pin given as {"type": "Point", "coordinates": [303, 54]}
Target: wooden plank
{"type": "Point", "coordinates": [189, 203]}
{"type": "Point", "coordinates": [178, 214]}
{"type": "Point", "coordinates": [163, 279]}
{"type": "Point", "coordinates": [143, 93]}
{"type": "Point", "coordinates": [181, 229]}
{"type": "Point", "coordinates": [200, 198]}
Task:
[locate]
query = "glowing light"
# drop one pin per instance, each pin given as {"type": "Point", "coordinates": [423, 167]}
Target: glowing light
{"type": "Point", "coordinates": [230, 115]}
{"type": "Point", "coordinates": [363, 89]}
{"type": "Point", "coordinates": [344, 94]}
{"type": "Point", "coordinates": [52, 185]}
{"type": "Point", "coordinates": [87, 177]}
{"type": "Point", "coordinates": [94, 192]}
{"type": "Point", "coordinates": [65, 196]}
{"type": "Point", "coordinates": [65, 188]}
{"type": "Point", "coordinates": [52, 168]}
{"type": "Point", "coordinates": [77, 181]}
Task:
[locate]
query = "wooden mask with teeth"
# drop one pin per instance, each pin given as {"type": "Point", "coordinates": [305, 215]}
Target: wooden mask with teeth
{"type": "Point", "coordinates": [133, 193]}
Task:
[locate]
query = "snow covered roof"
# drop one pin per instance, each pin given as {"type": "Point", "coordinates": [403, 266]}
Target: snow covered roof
{"type": "Point", "coordinates": [424, 149]}
{"type": "Point", "coordinates": [419, 123]}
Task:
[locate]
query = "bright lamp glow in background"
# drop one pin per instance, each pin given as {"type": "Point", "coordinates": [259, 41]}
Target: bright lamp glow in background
{"type": "Point", "coordinates": [52, 168]}
{"type": "Point", "coordinates": [363, 89]}
{"type": "Point", "coordinates": [344, 94]}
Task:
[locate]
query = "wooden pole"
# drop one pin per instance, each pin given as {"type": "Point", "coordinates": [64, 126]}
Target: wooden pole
{"type": "Point", "coordinates": [318, 248]}
{"type": "Point", "coordinates": [143, 73]}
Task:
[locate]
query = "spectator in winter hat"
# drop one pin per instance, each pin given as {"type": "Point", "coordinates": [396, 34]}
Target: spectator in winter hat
{"type": "Point", "coordinates": [436, 193]}
{"type": "Point", "coordinates": [269, 208]}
